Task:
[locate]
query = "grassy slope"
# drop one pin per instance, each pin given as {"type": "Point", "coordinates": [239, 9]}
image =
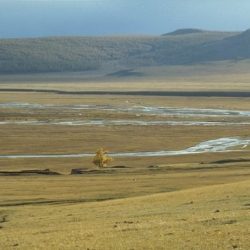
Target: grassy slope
{"type": "Point", "coordinates": [235, 47]}
{"type": "Point", "coordinates": [214, 217]}
{"type": "Point", "coordinates": [225, 76]}
{"type": "Point", "coordinates": [96, 53]}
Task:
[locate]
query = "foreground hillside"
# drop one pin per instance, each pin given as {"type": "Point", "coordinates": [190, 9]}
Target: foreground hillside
{"type": "Point", "coordinates": [109, 54]}
{"type": "Point", "coordinates": [214, 217]}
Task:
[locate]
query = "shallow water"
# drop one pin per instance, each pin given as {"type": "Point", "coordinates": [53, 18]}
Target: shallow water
{"type": "Point", "coordinates": [138, 110]}
{"type": "Point", "coordinates": [122, 123]}
{"type": "Point", "coordinates": [218, 145]}
{"type": "Point", "coordinates": [150, 110]}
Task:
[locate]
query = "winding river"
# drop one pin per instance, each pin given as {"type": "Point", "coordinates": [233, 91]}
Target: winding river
{"type": "Point", "coordinates": [150, 110]}
{"type": "Point", "coordinates": [217, 145]}
{"type": "Point", "coordinates": [122, 123]}
{"type": "Point", "coordinates": [138, 110]}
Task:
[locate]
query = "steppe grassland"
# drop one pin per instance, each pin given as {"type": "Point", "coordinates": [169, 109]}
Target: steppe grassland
{"type": "Point", "coordinates": [49, 139]}
{"type": "Point", "coordinates": [199, 218]}
{"type": "Point", "coordinates": [214, 76]}
{"type": "Point", "coordinates": [201, 206]}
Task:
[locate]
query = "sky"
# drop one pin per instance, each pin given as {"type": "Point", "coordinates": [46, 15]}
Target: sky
{"type": "Point", "coordinates": [38, 18]}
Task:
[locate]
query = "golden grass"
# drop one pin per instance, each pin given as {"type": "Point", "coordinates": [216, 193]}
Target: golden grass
{"type": "Point", "coordinates": [200, 218]}
{"type": "Point", "coordinates": [191, 102]}
{"type": "Point", "coordinates": [65, 165]}
{"type": "Point", "coordinates": [117, 183]}
{"type": "Point", "coordinates": [182, 204]}
{"type": "Point", "coordinates": [66, 139]}
{"type": "Point", "coordinates": [16, 139]}
{"type": "Point", "coordinates": [225, 75]}
{"type": "Point", "coordinates": [138, 85]}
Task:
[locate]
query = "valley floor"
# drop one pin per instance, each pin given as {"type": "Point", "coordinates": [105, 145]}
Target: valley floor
{"type": "Point", "coordinates": [195, 201]}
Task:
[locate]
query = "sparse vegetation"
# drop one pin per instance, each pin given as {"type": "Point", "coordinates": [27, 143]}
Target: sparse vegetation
{"type": "Point", "coordinates": [65, 54]}
{"type": "Point", "coordinates": [101, 158]}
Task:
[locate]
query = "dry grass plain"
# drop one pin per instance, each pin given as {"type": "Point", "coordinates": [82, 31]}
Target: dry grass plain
{"type": "Point", "coordinates": [184, 202]}
{"type": "Point", "coordinates": [210, 217]}
{"type": "Point", "coordinates": [217, 76]}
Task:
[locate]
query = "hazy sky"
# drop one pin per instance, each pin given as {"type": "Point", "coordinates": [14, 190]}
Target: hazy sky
{"type": "Point", "coordinates": [29, 18]}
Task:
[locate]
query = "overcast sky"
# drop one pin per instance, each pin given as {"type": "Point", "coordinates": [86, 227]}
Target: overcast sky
{"type": "Point", "coordinates": [33, 18]}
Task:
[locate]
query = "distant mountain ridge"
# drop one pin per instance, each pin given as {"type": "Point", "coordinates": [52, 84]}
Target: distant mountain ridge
{"type": "Point", "coordinates": [231, 48]}
{"type": "Point", "coordinates": [184, 32]}
{"type": "Point", "coordinates": [118, 54]}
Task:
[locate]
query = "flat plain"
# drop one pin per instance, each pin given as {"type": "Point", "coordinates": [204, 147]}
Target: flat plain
{"type": "Point", "coordinates": [192, 201]}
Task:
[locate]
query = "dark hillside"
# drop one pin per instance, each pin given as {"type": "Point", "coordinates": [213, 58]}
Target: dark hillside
{"type": "Point", "coordinates": [231, 48]}
{"type": "Point", "coordinates": [184, 32]}
{"type": "Point", "coordinates": [112, 54]}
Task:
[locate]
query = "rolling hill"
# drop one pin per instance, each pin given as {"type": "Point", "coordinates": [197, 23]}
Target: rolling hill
{"type": "Point", "coordinates": [116, 54]}
{"type": "Point", "coordinates": [184, 32]}
{"type": "Point", "coordinates": [231, 48]}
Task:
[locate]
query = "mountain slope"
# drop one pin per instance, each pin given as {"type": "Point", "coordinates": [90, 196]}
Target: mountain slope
{"type": "Point", "coordinates": [61, 54]}
{"type": "Point", "coordinates": [231, 48]}
{"type": "Point", "coordinates": [184, 32]}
